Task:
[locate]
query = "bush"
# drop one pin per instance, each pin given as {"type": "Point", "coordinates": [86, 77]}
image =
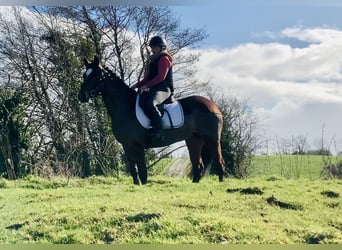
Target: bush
{"type": "Point", "coordinates": [239, 136]}
{"type": "Point", "coordinates": [333, 171]}
{"type": "Point", "coordinates": [3, 183]}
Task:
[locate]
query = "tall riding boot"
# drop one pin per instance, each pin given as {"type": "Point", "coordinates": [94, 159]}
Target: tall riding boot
{"type": "Point", "coordinates": [157, 125]}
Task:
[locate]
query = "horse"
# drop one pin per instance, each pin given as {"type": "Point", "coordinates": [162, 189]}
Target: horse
{"type": "Point", "coordinates": [201, 129]}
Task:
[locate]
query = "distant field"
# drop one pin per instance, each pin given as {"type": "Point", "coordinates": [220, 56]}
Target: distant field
{"type": "Point", "coordinates": [286, 166]}
{"type": "Point", "coordinates": [291, 166]}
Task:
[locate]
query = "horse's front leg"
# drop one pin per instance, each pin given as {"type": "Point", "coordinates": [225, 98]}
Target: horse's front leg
{"type": "Point", "coordinates": [142, 170]}
{"type": "Point", "coordinates": [134, 172]}
{"type": "Point", "coordinates": [136, 158]}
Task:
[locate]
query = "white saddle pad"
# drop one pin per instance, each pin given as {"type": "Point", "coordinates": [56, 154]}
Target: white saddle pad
{"type": "Point", "coordinates": [174, 109]}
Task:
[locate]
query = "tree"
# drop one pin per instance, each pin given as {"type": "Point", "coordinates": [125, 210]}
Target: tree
{"type": "Point", "coordinates": [42, 49]}
{"type": "Point", "coordinates": [14, 137]}
{"type": "Point", "coordinates": [239, 135]}
{"type": "Point", "coordinates": [44, 59]}
{"type": "Point", "coordinates": [301, 145]}
{"type": "Point", "coordinates": [91, 141]}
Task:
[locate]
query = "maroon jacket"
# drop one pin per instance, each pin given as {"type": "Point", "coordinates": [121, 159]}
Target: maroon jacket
{"type": "Point", "coordinates": [159, 71]}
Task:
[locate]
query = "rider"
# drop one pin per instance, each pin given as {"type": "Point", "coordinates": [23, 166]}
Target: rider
{"type": "Point", "coordinates": [157, 85]}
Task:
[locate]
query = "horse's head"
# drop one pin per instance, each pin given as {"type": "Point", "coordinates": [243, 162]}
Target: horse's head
{"type": "Point", "coordinates": [91, 80]}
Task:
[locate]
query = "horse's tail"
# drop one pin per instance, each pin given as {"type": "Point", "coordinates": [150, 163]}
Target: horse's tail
{"type": "Point", "coordinates": [206, 159]}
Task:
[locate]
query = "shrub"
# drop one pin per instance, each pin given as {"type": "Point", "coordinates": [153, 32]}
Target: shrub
{"type": "Point", "coordinates": [332, 171]}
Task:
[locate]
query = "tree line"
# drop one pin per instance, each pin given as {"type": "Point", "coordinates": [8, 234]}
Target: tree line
{"type": "Point", "coordinates": [44, 128]}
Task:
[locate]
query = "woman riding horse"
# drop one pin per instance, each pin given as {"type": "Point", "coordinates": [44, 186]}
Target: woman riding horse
{"type": "Point", "coordinates": [201, 129]}
{"type": "Point", "coordinates": [157, 85]}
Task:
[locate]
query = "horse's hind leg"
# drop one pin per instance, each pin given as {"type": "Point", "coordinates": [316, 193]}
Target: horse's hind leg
{"type": "Point", "coordinates": [195, 145]}
{"type": "Point", "coordinates": [214, 146]}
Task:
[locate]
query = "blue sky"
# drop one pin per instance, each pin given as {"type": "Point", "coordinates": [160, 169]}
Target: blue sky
{"type": "Point", "coordinates": [283, 57]}
{"type": "Point", "coordinates": [233, 22]}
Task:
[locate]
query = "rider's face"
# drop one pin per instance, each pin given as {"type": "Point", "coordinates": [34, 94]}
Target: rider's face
{"type": "Point", "coordinates": [155, 49]}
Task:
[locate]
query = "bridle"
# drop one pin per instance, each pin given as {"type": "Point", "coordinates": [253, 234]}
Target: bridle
{"type": "Point", "coordinates": [99, 87]}
{"type": "Point", "coordinates": [106, 74]}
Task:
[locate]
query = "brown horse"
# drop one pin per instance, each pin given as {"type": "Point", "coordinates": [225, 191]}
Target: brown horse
{"type": "Point", "coordinates": [201, 130]}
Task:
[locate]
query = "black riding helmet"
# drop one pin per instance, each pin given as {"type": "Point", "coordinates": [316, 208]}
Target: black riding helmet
{"type": "Point", "coordinates": [157, 41]}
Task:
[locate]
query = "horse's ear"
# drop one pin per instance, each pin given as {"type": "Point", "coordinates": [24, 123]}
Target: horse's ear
{"type": "Point", "coordinates": [86, 62]}
{"type": "Point", "coordinates": [96, 60]}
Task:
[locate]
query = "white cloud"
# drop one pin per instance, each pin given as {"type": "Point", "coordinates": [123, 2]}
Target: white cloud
{"type": "Point", "coordinates": [292, 90]}
{"type": "Point", "coordinates": [314, 35]}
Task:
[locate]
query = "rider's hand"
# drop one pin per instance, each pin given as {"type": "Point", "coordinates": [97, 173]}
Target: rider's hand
{"type": "Point", "coordinates": [143, 88]}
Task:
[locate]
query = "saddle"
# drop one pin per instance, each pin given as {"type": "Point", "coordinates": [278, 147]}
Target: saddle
{"type": "Point", "coordinates": [172, 111]}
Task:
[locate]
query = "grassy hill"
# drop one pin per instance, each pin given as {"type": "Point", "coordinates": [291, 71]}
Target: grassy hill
{"type": "Point", "coordinates": [170, 210]}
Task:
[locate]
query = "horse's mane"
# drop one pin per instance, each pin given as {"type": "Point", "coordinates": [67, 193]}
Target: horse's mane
{"type": "Point", "coordinates": [113, 77]}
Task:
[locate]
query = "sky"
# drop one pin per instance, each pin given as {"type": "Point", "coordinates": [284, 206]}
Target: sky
{"type": "Point", "coordinates": [283, 57]}
{"type": "Point", "coordinates": [230, 23]}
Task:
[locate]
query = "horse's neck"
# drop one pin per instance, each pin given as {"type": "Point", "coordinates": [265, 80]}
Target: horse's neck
{"type": "Point", "coordinates": [117, 99]}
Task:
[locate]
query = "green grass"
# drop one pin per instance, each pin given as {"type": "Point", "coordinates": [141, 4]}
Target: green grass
{"type": "Point", "coordinates": [170, 210]}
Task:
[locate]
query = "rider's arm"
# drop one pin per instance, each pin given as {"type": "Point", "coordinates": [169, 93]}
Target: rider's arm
{"type": "Point", "coordinates": [142, 82]}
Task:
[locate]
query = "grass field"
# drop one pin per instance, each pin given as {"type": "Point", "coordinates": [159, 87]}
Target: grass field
{"type": "Point", "coordinates": [291, 166]}
{"type": "Point", "coordinates": [285, 166]}
{"type": "Point", "coordinates": [170, 210]}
